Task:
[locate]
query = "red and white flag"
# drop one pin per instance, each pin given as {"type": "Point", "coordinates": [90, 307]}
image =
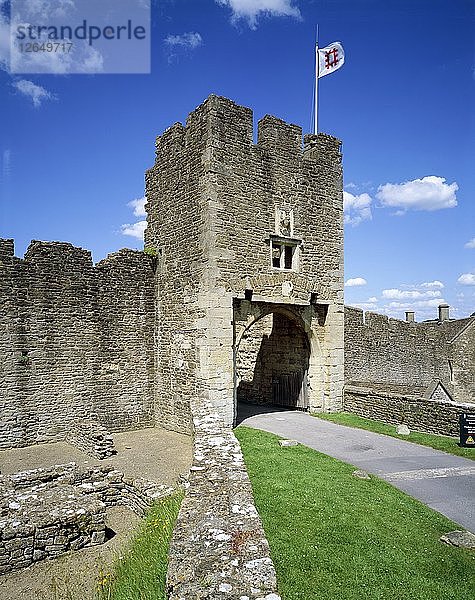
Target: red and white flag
{"type": "Point", "coordinates": [330, 58]}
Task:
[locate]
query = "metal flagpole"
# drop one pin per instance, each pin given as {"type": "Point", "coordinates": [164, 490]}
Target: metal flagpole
{"type": "Point", "coordinates": [316, 84]}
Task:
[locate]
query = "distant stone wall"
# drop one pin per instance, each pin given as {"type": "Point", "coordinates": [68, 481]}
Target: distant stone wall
{"type": "Point", "coordinates": [411, 355]}
{"type": "Point", "coordinates": [418, 413]}
{"type": "Point", "coordinates": [76, 341]}
{"type": "Point", "coordinates": [463, 363]}
{"type": "Point", "coordinates": [219, 549]}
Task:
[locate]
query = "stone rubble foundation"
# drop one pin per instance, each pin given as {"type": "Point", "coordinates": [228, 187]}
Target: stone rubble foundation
{"type": "Point", "coordinates": [47, 512]}
{"type": "Point", "coordinates": [92, 438]}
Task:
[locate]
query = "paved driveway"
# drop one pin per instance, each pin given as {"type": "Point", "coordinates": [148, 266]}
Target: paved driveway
{"type": "Point", "coordinates": [444, 482]}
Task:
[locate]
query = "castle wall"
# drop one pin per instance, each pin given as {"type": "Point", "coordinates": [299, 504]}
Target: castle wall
{"type": "Point", "coordinates": [75, 341]}
{"type": "Point", "coordinates": [213, 203]}
{"type": "Point", "coordinates": [440, 416]}
{"type": "Point", "coordinates": [463, 362]}
{"type": "Point", "coordinates": [398, 364]}
{"type": "Point", "coordinates": [383, 350]}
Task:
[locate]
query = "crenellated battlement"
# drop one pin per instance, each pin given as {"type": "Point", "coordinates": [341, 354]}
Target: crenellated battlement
{"type": "Point", "coordinates": [7, 248]}
{"type": "Point", "coordinates": [63, 255]}
{"type": "Point", "coordinates": [57, 255]}
{"type": "Point", "coordinates": [222, 124]}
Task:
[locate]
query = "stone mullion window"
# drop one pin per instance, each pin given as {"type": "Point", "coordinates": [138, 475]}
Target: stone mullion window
{"type": "Point", "coordinates": [284, 253]}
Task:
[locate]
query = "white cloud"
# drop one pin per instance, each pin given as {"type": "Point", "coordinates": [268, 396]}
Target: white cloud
{"type": "Point", "coordinates": [36, 93]}
{"type": "Point", "coordinates": [138, 206]}
{"type": "Point", "coordinates": [372, 306]}
{"type": "Point", "coordinates": [356, 208]}
{"type": "Point", "coordinates": [186, 40]}
{"type": "Point", "coordinates": [45, 9]}
{"type": "Point", "coordinates": [432, 303]}
{"type": "Point", "coordinates": [397, 294]}
{"type": "Point", "coordinates": [356, 281]}
{"type": "Point", "coordinates": [467, 279]}
{"type": "Point", "coordinates": [135, 230]}
{"type": "Point", "coordinates": [429, 193]}
{"type": "Point", "coordinates": [351, 186]}
{"type": "Point", "coordinates": [470, 243]}
{"type": "Point", "coordinates": [82, 57]}
{"type": "Point", "coordinates": [251, 10]}
{"type": "Point", "coordinates": [432, 284]}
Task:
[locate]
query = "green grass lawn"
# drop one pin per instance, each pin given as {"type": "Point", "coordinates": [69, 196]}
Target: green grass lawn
{"type": "Point", "coordinates": [333, 536]}
{"type": "Point", "coordinates": [439, 442]}
{"type": "Point", "coordinates": [141, 573]}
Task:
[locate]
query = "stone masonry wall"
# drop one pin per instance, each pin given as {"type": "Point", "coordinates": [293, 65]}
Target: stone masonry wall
{"type": "Point", "coordinates": [76, 341]}
{"type": "Point", "coordinates": [381, 351]}
{"type": "Point", "coordinates": [418, 413]}
{"type": "Point", "coordinates": [218, 549]}
{"type": "Point", "coordinates": [91, 438]}
{"type": "Point", "coordinates": [463, 362]}
{"type": "Point", "coordinates": [46, 512]}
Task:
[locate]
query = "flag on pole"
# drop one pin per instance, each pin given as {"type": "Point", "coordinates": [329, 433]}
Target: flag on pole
{"type": "Point", "coordinates": [330, 59]}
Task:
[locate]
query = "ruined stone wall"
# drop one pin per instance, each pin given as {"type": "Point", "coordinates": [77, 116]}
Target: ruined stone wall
{"type": "Point", "coordinates": [213, 203]}
{"type": "Point", "coordinates": [47, 512]}
{"type": "Point", "coordinates": [76, 341]}
{"type": "Point", "coordinates": [379, 350]}
{"type": "Point", "coordinates": [91, 438]}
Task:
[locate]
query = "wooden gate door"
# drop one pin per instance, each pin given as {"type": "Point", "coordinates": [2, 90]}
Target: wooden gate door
{"type": "Point", "coordinates": [291, 390]}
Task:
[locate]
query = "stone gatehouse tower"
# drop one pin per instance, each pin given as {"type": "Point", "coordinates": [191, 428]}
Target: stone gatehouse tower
{"type": "Point", "coordinates": [249, 275]}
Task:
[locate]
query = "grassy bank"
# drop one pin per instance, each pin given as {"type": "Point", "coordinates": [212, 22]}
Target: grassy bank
{"type": "Point", "coordinates": [438, 442]}
{"type": "Point", "coordinates": [335, 536]}
{"type": "Point", "coordinates": [140, 574]}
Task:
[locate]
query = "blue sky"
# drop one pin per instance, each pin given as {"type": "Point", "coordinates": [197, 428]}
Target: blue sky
{"type": "Point", "coordinates": [74, 148]}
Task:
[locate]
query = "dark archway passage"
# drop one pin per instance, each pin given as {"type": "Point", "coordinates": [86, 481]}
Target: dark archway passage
{"type": "Point", "coordinates": [272, 362]}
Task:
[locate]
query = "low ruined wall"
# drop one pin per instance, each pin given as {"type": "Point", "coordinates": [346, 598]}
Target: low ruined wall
{"type": "Point", "coordinates": [46, 520]}
{"type": "Point", "coordinates": [219, 549]}
{"type": "Point", "coordinates": [46, 512]}
{"type": "Point", "coordinates": [91, 438]}
{"type": "Point", "coordinates": [76, 341]}
{"type": "Point", "coordinates": [420, 414]}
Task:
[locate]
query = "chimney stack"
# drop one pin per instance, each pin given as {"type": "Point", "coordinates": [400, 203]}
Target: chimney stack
{"type": "Point", "coordinates": [444, 312]}
{"type": "Point", "coordinates": [410, 316]}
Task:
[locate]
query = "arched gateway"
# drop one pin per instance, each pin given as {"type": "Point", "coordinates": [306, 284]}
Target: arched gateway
{"type": "Point", "coordinates": [278, 356]}
{"type": "Point", "coordinates": [249, 276]}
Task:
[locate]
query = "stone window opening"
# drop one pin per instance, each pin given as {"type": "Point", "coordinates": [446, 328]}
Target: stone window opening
{"type": "Point", "coordinates": [284, 254]}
